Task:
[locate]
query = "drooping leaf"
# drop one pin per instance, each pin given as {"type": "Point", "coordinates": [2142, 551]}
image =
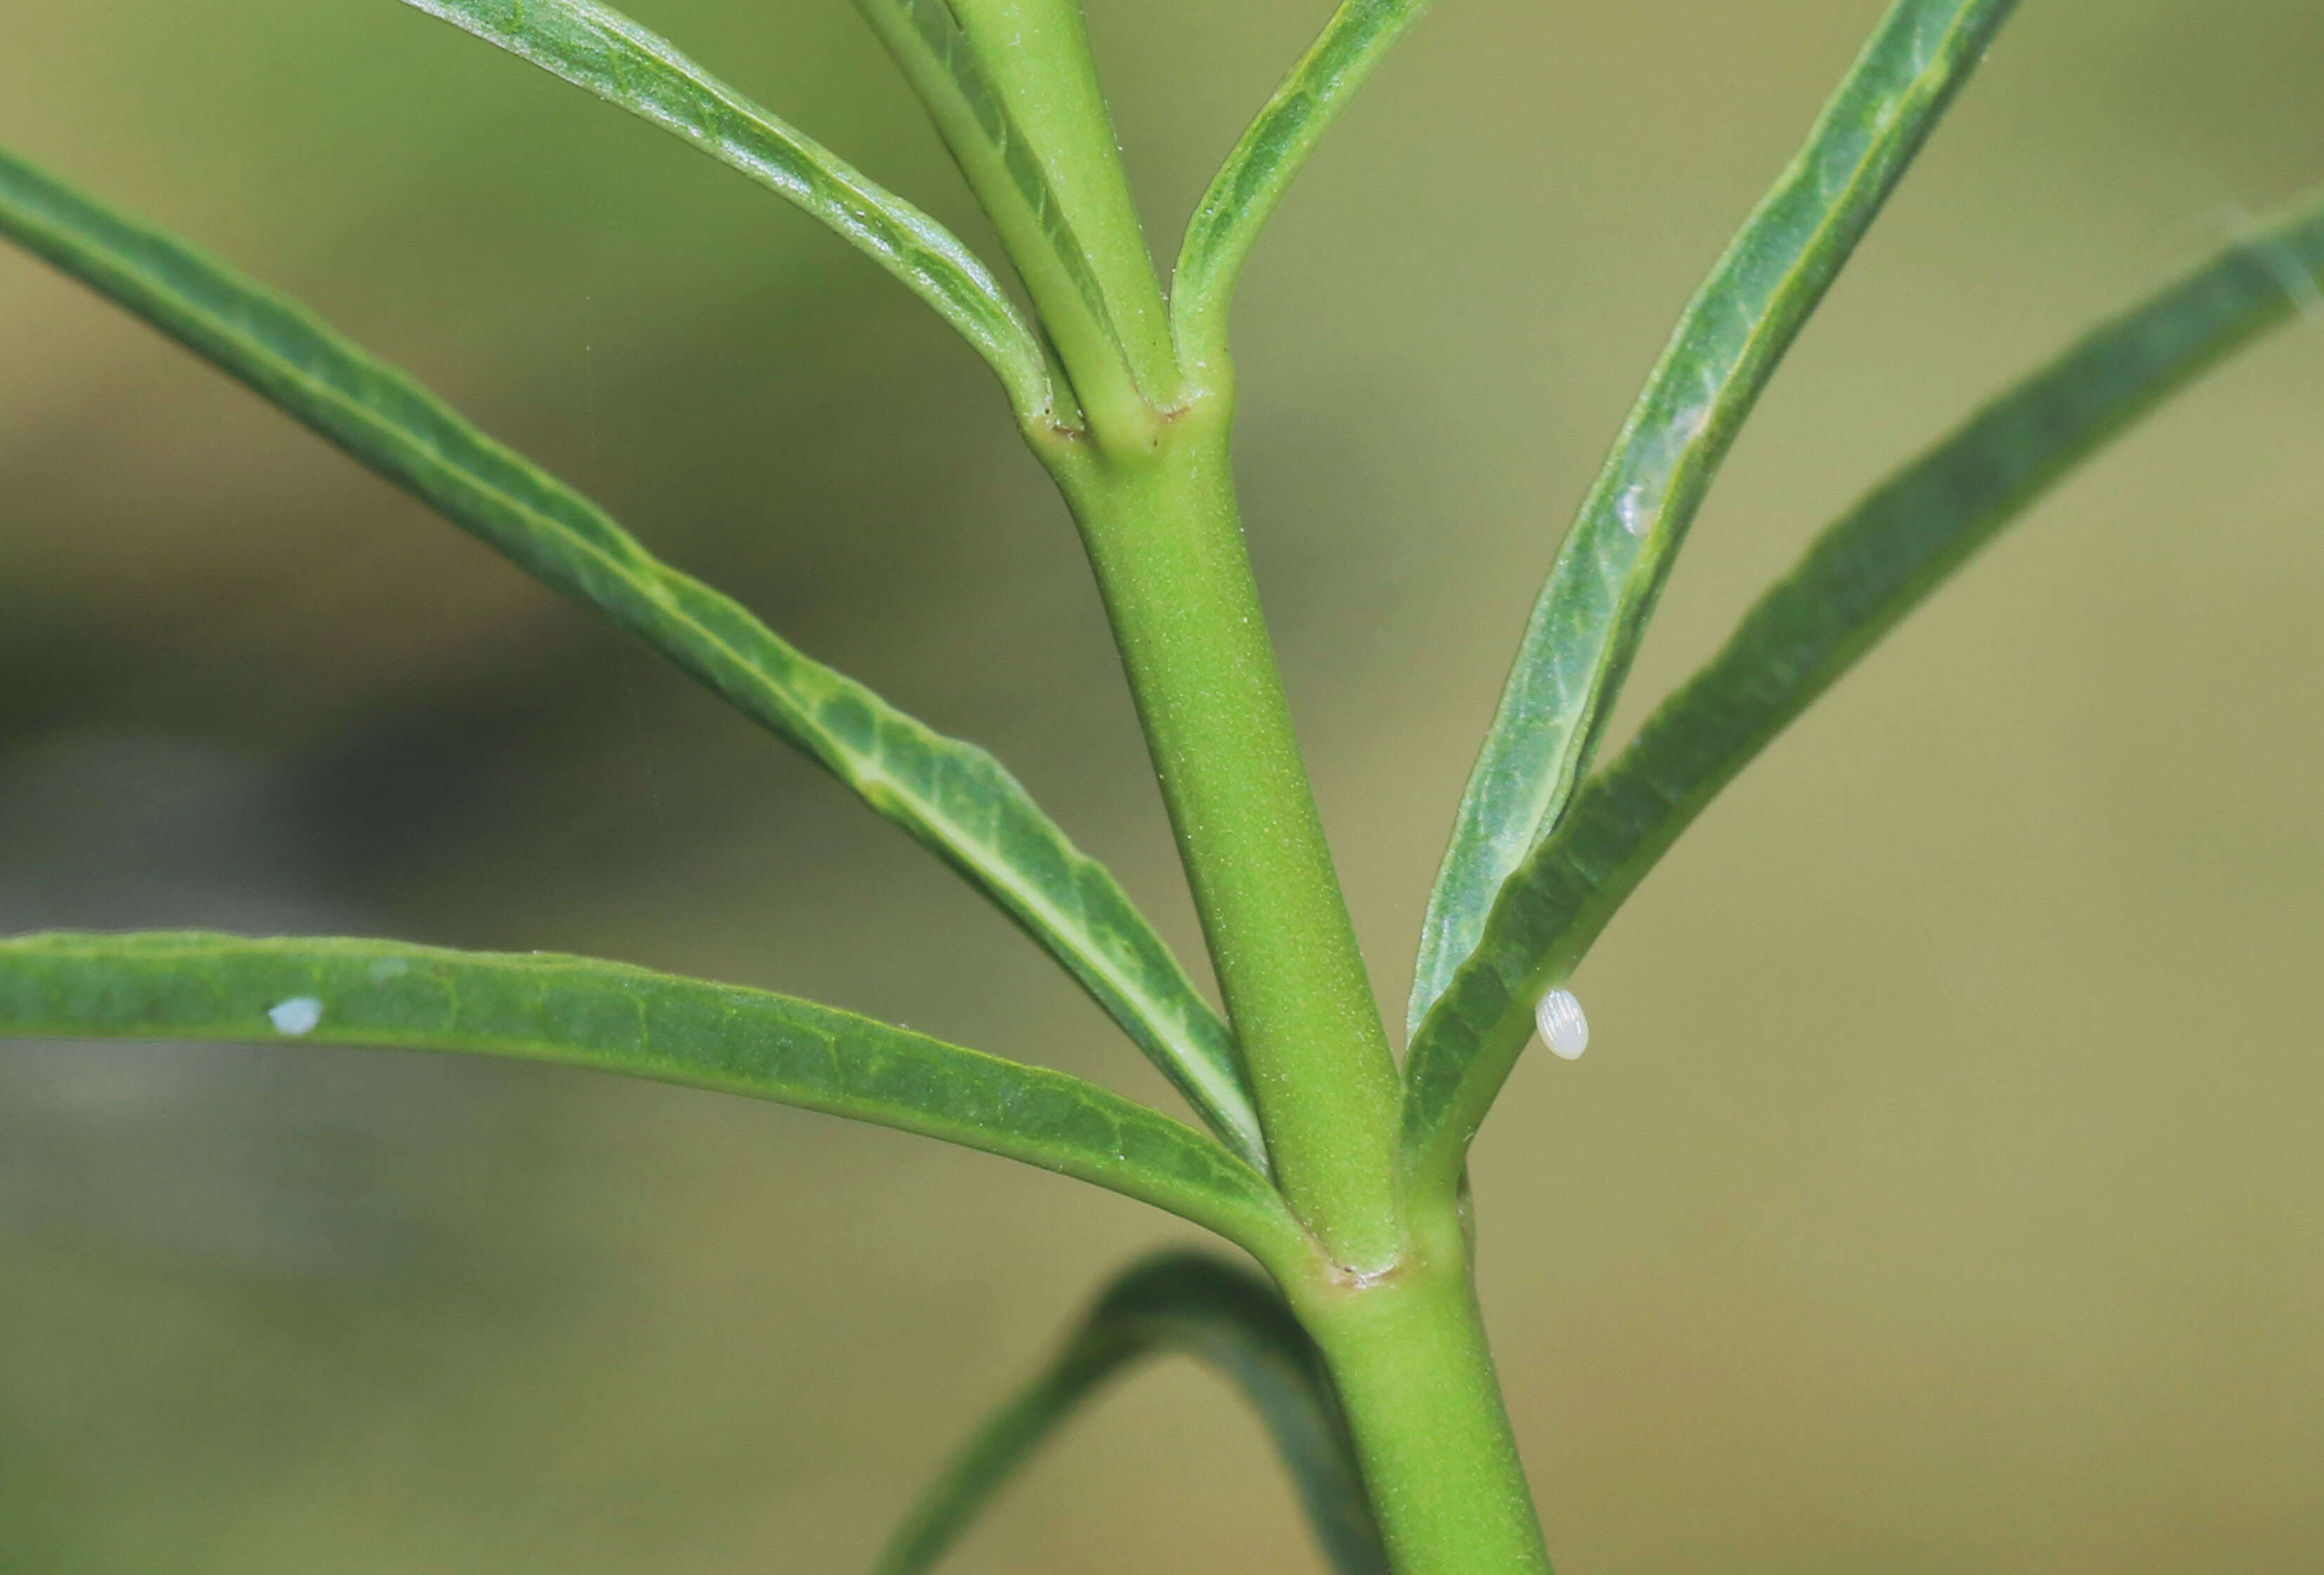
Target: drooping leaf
{"type": "Point", "coordinates": [1117, 350]}
{"type": "Point", "coordinates": [613, 1017]}
{"type": "Point", "coordinates": [1585, 628]}
{"type": "Point", "coordinates": [1877, 563]}
{"type": "Point", "coordinates": [953, 796]}
{"type": "Point", "coordinates": [1246, 190]}
{"type": "Point", "coordinates": [597, 48]}
{"type": "Point", "coordinates": [1175, 1302]}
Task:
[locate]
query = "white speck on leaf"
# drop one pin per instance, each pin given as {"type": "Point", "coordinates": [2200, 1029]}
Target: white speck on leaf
{"type": "Point", "coordinates": [1562, 1026]}
{"type": "Point", "coordinates": [1631, 508]}
{"type": "Point", "coordinates": [297, 1015]}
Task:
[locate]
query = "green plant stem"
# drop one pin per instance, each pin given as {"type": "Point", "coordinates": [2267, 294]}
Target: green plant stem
{"type": "Point", "coordinates": [1387, 1299]}
{"type": "Point", "coordinates": [1165, 540]}
{"type": "Point", "coordinates": [1408, 1353]}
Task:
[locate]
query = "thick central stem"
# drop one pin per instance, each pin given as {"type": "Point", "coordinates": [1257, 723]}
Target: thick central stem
{"type": "Point", "coordinates": [1385, 1291]}
{"type": "Point", "coordinates": [1408, 1357]}
{"type": "Point", "coordinates": [1166, 539]}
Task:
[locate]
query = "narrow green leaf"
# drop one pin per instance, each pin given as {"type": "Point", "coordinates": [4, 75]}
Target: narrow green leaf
{"type": "Point", "coordinates": [953, 796]}
{"type": "Point", "coordinates": [608, 1015]}
{"type": "Point", "coordinates": [1033, 213]}
{"type": "Point", "coordinates": [928, 42]}
{"type": "Point", "coordinates": [1601, 590]}
{"type": "Point", "coordinates": [597, 48]}
{"type": "Point", "coordinates": [1876, 564]}
{"type": "Point", "coordinates": [1176, 1301]}
{"type": "Point", "coordinates": [1246, 190]}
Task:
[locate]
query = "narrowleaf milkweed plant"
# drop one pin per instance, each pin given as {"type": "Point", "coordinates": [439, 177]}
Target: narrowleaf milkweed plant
{"type": "Point", "coordinates": [1337, 1169]}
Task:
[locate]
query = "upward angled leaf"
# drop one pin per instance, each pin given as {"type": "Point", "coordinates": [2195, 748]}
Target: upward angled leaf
{"type": "Point", "coordinates": [1243, 195]}
{"type": "Point", "coordinates": [1585, 628]}
{"type": "Point", "coordinates": [608, 1015]}
{"type": "Point", "coordinates": [1093, 281]}
{"type": "Point", "coordinates": [1876, 564]}
{"type": "Point", "coordinates": [968, 107]}
{"type": "Point", "coordinates": [1178, 1301]}
{"type": "Point", "coordinates": [596, 47]}
{"type": "Point", "coordinates": [953, 796]}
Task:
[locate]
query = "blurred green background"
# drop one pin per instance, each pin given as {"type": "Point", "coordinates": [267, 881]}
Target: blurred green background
{"type": "Point", "coordinates": [1942, 1192]}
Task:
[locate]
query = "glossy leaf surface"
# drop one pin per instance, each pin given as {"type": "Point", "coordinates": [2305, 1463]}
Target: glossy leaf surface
{"type": "Point", "coordinates": [597, 48]}
{"type": "Point", "coordinates": [1586, 623]}
{"type": "Point", "coordinates": [613, 1018]}
{"type": "Point", "coordinates": [1249, 186]}
{"type": "Point", "coordinates": [953, 796]}
{"type": "Point", "coordinates": [1877, 563]}
{"type": "Point", "coordinates": [1175, 1302]}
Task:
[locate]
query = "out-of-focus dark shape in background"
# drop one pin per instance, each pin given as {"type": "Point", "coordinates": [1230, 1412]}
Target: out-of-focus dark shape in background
{"type": "Point", "coordinates": [1943, 1190]}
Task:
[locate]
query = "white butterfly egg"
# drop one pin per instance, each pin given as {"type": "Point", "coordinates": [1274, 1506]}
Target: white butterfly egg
{"type": "Point", "coordinates": [1631, 508]}
{"type": "Point", "coordinates": [297, 1015]}
{"type": "Point", "coordinates": [1562, 1026]}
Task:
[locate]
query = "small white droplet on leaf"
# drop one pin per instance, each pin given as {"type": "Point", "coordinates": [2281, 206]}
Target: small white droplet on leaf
{"type": "Point", "coordinates": [1562, 1026]}
{"type": "Point", "coordinates": [1630, 506]}
{"type": "Point", "coordinates": [297, 1015]}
